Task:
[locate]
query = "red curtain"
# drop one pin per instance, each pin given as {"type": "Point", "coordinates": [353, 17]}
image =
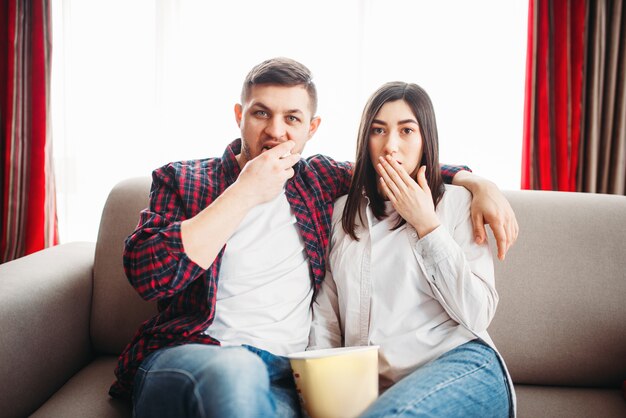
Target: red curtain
{"type": "Point", "coordinates": [554, 94]}
{"type": "Point", "coordinates": [28, 205]}
{"type": "Point", "coordinates": [574, 115]}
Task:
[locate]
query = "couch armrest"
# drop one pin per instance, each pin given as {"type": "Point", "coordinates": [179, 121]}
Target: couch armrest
{"type": "Point", "coordinates": [45, 304]}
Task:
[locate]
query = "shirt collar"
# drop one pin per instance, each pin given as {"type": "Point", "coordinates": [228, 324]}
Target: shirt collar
{"type": "Point", "coordinates": [229, 161]}
{"type": "Point", "coordinates": [367, 208]}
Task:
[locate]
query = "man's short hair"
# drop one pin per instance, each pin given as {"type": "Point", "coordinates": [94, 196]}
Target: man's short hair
{"type": "Point", "coordinates": [281, 72]}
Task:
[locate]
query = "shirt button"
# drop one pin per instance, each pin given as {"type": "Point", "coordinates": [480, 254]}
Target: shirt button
{"type": "Point", "coordinates": [414, 235]}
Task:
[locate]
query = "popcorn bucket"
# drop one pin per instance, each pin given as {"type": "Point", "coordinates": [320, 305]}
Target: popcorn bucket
{"type": "Point", "coordinates": [336, 382]}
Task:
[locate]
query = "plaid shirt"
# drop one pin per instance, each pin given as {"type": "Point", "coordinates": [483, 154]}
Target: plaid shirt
{"type": "Point", "coordinates": [158, 268]}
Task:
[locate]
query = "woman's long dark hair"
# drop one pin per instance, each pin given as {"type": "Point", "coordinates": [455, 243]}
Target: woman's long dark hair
{"type": "Point", "coordinates": [364, 181]}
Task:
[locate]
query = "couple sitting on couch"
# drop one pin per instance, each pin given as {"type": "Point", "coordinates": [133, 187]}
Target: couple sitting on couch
{"type": "Point", "coordinates": [236, 250]}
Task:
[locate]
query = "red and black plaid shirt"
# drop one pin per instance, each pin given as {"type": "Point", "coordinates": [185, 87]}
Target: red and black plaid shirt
{"type": "Point", "coordinates": [159, 269]}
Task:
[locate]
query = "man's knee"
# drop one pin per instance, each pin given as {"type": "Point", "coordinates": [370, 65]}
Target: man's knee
{"type": "Point", "coordinates": [209, 381]}
{"type": "Point", "coordinates": [235, 383]}
{"type": "Point", "coordinates": [235, 368]}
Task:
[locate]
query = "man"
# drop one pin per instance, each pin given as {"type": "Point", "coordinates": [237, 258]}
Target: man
{"type": "Point", "coordinates": [233, 248]}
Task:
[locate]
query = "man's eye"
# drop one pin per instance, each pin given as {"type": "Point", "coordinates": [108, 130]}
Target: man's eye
{"type": "Point", "coordinates": [261, 113]}
{"type": "Point", "coordinates": [291, 118]}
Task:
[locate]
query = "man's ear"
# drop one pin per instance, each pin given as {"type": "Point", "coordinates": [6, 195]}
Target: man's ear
{"type": "Point", "coordinates": [315, 123]}
{"type": "Point", "coordinates": [238, 113]}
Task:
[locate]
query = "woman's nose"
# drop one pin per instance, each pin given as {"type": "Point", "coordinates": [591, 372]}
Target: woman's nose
{"type": "Point", "coordinates": [391, 146]}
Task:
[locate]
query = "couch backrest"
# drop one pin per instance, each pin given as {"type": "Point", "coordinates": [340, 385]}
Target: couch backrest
{"type": "Point", "coordinates": [117, 310]}
{"type": "Point", "coordinates": [562, 314]}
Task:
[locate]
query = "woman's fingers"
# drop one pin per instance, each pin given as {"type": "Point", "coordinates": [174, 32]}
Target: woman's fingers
{"type": "Point", "coordinates": [421, 179]}
{"type": "Point", "coordinates": [402, 174]}
{"type": "Point", "coordinates": [392, 172]}
{"type": "Point", "coordinates": [387, 174]}
{"type": "Point", "coordinates": [403, 178]}
{"type": "Point", "coordinates": [386, 191]}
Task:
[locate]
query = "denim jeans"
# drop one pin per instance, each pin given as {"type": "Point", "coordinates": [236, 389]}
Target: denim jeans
{"type": "Point", "coordinates": [197, 380]}
{"type": "Point", "coordinates": [468, 381]}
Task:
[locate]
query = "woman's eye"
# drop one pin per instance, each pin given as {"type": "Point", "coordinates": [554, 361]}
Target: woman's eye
{"type": "Point", "coordinates": [407, 131]}
{"type": "Point", "coordinates": [378, 131]}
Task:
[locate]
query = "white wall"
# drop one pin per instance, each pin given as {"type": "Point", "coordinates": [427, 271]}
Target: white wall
{"type": "Point", "coordinates": [139, 83]}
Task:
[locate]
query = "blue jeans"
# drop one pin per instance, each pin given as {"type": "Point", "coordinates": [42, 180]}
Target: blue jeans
{"type": "Point", "coordinates": [468, 381]}
{"type": "Point", "coordinates": [196, 380]}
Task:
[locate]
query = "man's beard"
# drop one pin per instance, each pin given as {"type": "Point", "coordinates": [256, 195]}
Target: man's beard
{"type": "Point", "coordinates": [245, 150]}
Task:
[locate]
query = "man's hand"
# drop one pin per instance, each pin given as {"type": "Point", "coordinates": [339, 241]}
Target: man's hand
{"type": "Point", "coordinates": [263, 177]}
{"type": "Point", "coordinates": [413, 200]}
{"type": "Point", "coordinates": [260, 180]}
{"type": "Point", "coordinates": [489, 206]}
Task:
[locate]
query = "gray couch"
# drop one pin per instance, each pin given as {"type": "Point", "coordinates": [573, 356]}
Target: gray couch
{"type": "Point", "coordinates": [67, 312]}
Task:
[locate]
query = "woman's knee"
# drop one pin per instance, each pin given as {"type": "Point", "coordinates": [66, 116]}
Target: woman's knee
{"type": "Point", "coordinates": [467, 381]}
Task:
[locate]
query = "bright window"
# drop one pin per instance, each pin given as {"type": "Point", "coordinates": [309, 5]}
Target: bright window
{"type": "Point", "coordinates": [139, 83]}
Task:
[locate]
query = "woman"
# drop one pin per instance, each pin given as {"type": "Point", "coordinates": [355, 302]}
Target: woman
{"type": "Point", "coordinates": [405, 273]}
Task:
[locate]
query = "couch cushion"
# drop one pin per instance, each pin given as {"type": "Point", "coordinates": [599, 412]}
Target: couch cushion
{"type": "Point", "coordinates": [553, 402]}
{"type": "Point", "coordinates": [117, 309]}
{"type": "Point", "coordinates": [86, 394]}
{"type": "Point", "coordinates": [561, 316]}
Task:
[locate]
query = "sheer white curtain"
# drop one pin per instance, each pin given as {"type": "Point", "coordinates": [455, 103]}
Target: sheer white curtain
{"type": "Point", "coordinates": [138, 84]}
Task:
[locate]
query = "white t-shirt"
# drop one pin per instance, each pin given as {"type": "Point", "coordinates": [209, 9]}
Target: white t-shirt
{"type": "Point", "coordinates": [264, 288]}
